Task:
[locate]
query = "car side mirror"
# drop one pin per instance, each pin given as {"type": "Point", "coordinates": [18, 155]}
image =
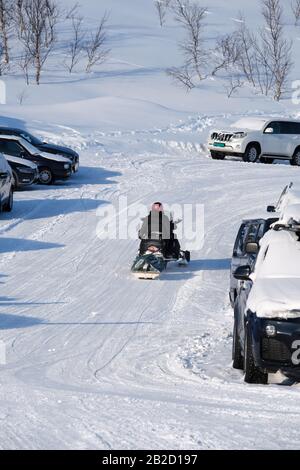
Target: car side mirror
{"type": "Point", "coordinates": [242, 273]}
{"type": "Point", "coordinates": [269, 130]}
{"type": "Point", "coordinates": [252, 248]}
{"type": "Point", "coordinates": [271, 209]}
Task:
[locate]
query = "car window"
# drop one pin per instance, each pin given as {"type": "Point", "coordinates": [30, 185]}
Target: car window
{"type": "Point", "coordinates": [244, 236]}
{"type": "Point", "coordinates": [276, 127]}
{"type": "Point", "coordinates": [30, 138]}
{"type": "Point", "coordinates": [11, 148]}
{"type": "Point", "coordinates": [2, 147]}
{"type": "Point", "coordinates": [289, 127]}
{"type": "Point", "coordinates": [237, 250]}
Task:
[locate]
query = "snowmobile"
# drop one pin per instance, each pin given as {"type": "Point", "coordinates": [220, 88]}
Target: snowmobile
{"type": "Point", "coordinates": [154, 257]}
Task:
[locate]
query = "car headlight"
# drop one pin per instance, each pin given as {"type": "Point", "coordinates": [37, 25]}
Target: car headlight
{"type": "Point", "coordinates": [239, 135]}
{"type": "Point", "coordinates": [67, 166]}
{"type": "Point", "coordinates": [23, 169]}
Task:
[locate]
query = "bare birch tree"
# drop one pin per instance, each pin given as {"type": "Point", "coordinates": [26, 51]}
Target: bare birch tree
{"type": "Point", "coordinates": [95, 47]}
{"type": "Point", "coordinates": [190, 16]}
{"type": "Point", "coordinates": [162, 7]}
{"type": "Point", "coordinates": [6, 8]}
{"type": "Point", "coordinates": [76, 44]}
{"type": "Point", "coordinates": [295, 5]}
{"type": "Point", "coordinates": [275, 48]}
{"type": "Point", "coordinates": [37, 21]}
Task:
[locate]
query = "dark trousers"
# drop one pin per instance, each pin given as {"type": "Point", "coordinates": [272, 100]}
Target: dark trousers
{"type": "Point", "coordinates": [169, 247]}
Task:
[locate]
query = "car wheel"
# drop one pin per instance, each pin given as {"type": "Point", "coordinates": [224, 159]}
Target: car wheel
{"type": "Point", "coordinates": [267, 161]}
{"type": "Point", "coordinates": [251, 155]}
{"type": "Point", "coordinates": [253, 375]}
{"type": "Point", "coordinates": [8, 206]}
{"type": "Point", "coordinates": [237, 358]}
{"type": "Point", "coordinates": [296, 158]}
{"type": "Point", "coordinates": [217, 155]}
{"type": "Point", "coordinates": [45, 176]}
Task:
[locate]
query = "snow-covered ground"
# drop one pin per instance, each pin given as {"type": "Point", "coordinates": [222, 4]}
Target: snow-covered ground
{"type": "Point", "coordinates": [96, 359]}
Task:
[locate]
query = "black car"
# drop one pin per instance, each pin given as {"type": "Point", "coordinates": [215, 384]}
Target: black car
{"type": "Point", "coordinates": [50, 167]}
{"type": "Point", "coordinates": [6, 186]}
{"type": "Point", "coordinates": [44, 146]}
{"type": "Point", "coordinates": [24, 172]}
{"type": "Point", "coordinates": [266, 332]}
{"type": "Point", "coordinates": [246, 248]}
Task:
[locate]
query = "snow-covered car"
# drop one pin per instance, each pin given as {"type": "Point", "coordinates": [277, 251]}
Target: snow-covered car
{"type": "Point", "coordinates": [25, 173]}
{"type": "Point", "coordinates": [6, 186]}
{"type": "Point", "coordinates": [44, 146]}
{"type": "Point", "coordinates": [254, 139]}
{"type": "Point", "coordinates": [51, 167]}
{"type": "Point", "coordinates": [266, 333]}
{"type": "Point", "coordinates": [246, 249]}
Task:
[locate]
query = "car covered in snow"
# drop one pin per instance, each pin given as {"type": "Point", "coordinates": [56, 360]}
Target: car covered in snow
{"type": "Point", "coordinates": [258, 139]}
{"type": "Point", "coordinates": [6, 186]}
{"type": "Point", "coordinates": [246, 249]}
{"type": "Point", "coordinates": [266, 333]}
{"type": "Point", "coordinates": [25, 172]}
{"type": "Point", "coordinates": [51, 167]}
{"type": "Point", "coordinates": [44, 146]}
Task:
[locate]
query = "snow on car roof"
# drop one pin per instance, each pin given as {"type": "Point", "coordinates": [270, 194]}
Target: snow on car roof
{"type": "Point", "coordinates": [258, 123]}
{"type": "Point", "coordinates": [276, 286]}
{"type": "Point", "coordinates": [255, 123]}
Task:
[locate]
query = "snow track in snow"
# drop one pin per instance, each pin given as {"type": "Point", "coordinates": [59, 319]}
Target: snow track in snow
{"type": "Point", "coordinates": [97, 359]}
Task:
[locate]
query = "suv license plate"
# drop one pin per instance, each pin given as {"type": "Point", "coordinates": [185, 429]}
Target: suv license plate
{"type": "Point", "coordinates": [218, 144]}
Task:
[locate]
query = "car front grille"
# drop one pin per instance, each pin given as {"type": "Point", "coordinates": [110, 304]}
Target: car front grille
{"type": "Point", "coordinates": [275, 350]}
{"type": "Point", "coordinates": [222, 137]}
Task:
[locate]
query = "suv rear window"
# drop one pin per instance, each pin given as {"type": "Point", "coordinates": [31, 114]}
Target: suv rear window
{"type": "Point", "coordinates": [289, 128]}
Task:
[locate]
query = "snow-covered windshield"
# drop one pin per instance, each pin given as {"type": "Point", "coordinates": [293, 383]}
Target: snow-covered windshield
{"type": "Point", "coordinates": [30, 138]}
{"type": "Point", "coordinates": [254, 124]}
{"type": "Point", "coordinates": [31, 149]}
{"type": "Point", "coordinates": [280, 258]}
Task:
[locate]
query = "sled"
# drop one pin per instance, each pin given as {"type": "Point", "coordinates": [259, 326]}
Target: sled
{"type": "Point", "coordinates": [146, 275]}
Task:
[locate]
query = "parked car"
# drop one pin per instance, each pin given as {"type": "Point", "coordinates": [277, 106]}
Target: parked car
{"type": "Point", "coordinates": [6, 186]}
{"type": "Point", "coordinates": [24, 172]}
{"type": "Point", "coordinates": [254, 139]}
{"type": "Point", "coordinates": [266, 332]}
{"type": "Point", "coordinates": [44, 146]}
{"type": "Point", "coordinates": [51, 167]}
{"type": "Point", "coordinates": [246, 248]}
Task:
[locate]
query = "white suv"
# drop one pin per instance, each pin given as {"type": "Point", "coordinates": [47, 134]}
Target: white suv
{"type": "Point", "coordinates": [261, 139]}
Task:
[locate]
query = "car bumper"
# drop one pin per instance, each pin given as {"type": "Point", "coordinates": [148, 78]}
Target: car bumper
{"type": "Point", "coordinates": [234, 149]}
{"type": "Point", "coordinates": [61, 174]}
{"type": "Point", "coordinates": [25, 179]}
{"type": "Point", "coordinates": [279, 352]}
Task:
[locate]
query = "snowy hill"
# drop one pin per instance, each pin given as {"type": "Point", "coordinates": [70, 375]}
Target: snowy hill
{"type": "Point", "coordinates": [95, 359]}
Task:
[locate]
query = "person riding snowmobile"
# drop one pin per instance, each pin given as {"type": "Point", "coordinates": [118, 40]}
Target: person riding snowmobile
{"type": "Point", "coordinates": [158, 231]}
